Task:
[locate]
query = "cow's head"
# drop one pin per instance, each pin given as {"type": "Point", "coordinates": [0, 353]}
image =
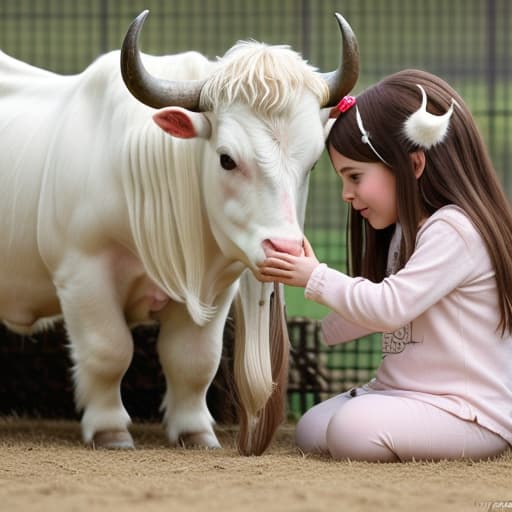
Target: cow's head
{"type": "Point", "coordinates": [263, 113]}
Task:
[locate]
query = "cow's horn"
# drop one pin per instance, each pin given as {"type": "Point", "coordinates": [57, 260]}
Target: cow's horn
{"type": "Point", "coordinates": [342, 80]}
{"type": "Point", "coordinates": [152, 91]}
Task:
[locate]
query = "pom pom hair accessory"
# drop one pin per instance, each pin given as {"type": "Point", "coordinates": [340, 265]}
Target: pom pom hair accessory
{"type": "Point", "coordinates": [425, 129]}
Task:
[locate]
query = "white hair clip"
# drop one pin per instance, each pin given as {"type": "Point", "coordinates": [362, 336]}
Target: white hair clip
{"type": "Point", "coordinates": [425, 129]}
{"type": "Point", "coordinates": [365, 137]}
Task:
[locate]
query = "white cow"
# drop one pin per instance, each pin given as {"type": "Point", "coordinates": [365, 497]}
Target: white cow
{"type": "Point", "coordinates": [114, 214]}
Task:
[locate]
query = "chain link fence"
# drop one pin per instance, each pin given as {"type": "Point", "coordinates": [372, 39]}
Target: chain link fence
{"type": "Point", "coordinates": [467, 42]}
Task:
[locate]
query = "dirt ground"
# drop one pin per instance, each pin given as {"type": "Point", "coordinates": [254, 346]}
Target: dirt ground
{"type": "Point", "coordinates": [44, 467]}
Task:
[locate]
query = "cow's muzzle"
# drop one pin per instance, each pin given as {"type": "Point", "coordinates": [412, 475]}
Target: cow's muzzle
{"type": "Point", "coordinates": [293, 247]}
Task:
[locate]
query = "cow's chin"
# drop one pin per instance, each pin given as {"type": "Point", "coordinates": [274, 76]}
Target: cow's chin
{"type": "Point", "coordinates": [252, 263]}
{"type": "Point", "coordinates": [253, 266]}
{"type": "Point", "coordinates": [241, 261]}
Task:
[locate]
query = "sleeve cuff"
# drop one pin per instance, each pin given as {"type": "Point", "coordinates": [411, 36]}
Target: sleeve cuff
{"type": "Point", "coordinates": [316, 281]}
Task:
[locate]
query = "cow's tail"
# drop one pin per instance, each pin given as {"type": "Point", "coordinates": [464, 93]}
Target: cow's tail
{"type": "Point", "coordinates": [260, 363]}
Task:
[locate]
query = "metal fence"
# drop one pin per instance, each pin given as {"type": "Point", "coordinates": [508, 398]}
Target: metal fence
{"type": "Point", "coordinates": [467, 42]}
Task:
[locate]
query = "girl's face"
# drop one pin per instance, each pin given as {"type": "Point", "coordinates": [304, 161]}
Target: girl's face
{"type": "Point", "coordinates": [370, 188]}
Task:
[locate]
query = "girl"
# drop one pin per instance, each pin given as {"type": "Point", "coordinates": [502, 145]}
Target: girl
{"type": "Point", "coordinates": [430, 243]}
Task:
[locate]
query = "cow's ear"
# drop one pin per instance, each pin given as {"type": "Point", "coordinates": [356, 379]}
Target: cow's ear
{"type": "Point", "coordinates": [182, 123]}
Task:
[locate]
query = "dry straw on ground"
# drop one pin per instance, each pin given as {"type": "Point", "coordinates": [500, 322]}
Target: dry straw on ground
{"type": "Point", "coordinates": [45, 468]}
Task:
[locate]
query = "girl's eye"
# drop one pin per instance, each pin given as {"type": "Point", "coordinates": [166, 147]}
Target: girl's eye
{"type": "Point", "coordinates": [354, 178]}
{"type": "Point", "coordinates": [227, 162]}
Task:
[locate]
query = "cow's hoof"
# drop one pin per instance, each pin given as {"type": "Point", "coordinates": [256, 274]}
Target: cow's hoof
{"type": "Point", "coordinates": [112, 440]}
{"type": "Point", "coordinates": [199, 440]}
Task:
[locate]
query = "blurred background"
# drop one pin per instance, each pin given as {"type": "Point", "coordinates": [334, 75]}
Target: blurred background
{"type": "Point", "coordinates": [467, 42]}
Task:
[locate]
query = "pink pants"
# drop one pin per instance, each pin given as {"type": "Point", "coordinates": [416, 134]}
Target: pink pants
{"type": "Point", "coordinates": [379, 427]}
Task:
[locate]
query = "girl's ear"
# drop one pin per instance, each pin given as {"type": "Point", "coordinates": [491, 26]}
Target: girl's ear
{"type": "Point", "coordinates": [418, 162]}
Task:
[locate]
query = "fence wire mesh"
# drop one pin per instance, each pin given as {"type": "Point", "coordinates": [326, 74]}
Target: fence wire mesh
{"type": "Point", "coordinates": [467, 42]}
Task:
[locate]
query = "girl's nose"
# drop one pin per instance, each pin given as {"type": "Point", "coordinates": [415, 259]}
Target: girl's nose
{"type": "Point", "coordinates": [347, 194]}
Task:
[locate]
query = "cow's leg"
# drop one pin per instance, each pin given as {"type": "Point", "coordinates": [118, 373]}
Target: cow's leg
{"type": "Point", "coordinates": [190, 356]}
{"type": "Point", "coordinates": [101, 350]}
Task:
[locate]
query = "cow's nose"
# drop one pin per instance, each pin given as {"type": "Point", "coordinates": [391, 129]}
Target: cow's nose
{"type": "Point", "coordinates": [293, 247]}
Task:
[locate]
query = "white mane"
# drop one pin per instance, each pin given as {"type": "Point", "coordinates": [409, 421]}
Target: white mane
{"type": "Point", "coordinates": [270, 79]}
{"type": "Point", "coordinates": [164, 198]}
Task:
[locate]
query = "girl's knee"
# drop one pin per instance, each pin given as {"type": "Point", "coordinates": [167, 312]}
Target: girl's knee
{"type": "Point", "coordinates": [354, 432]}
{"type": "Point", "coordinates": [310, 433]}
{"type": "Point", "coordinates": [311, 428]}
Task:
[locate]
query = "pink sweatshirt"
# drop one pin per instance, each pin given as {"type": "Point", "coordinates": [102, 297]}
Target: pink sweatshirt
{"type": "Point", "coordinates": [439, 318]}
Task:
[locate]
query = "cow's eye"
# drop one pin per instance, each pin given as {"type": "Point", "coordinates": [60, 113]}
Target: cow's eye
{"type": "Point", "coordinates": [227, 162]}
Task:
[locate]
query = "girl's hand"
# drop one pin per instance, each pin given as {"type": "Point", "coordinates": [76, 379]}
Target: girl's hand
{"type": "Point", "coordinates": [288, 269]}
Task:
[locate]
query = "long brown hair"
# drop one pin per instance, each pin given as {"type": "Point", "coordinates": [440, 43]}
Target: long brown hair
{"type": "Point", "coordinates": [458, 171]}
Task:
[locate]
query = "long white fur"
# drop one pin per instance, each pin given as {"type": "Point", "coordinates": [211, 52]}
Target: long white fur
{"type": "Point", "coordinates": [160, 188]}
